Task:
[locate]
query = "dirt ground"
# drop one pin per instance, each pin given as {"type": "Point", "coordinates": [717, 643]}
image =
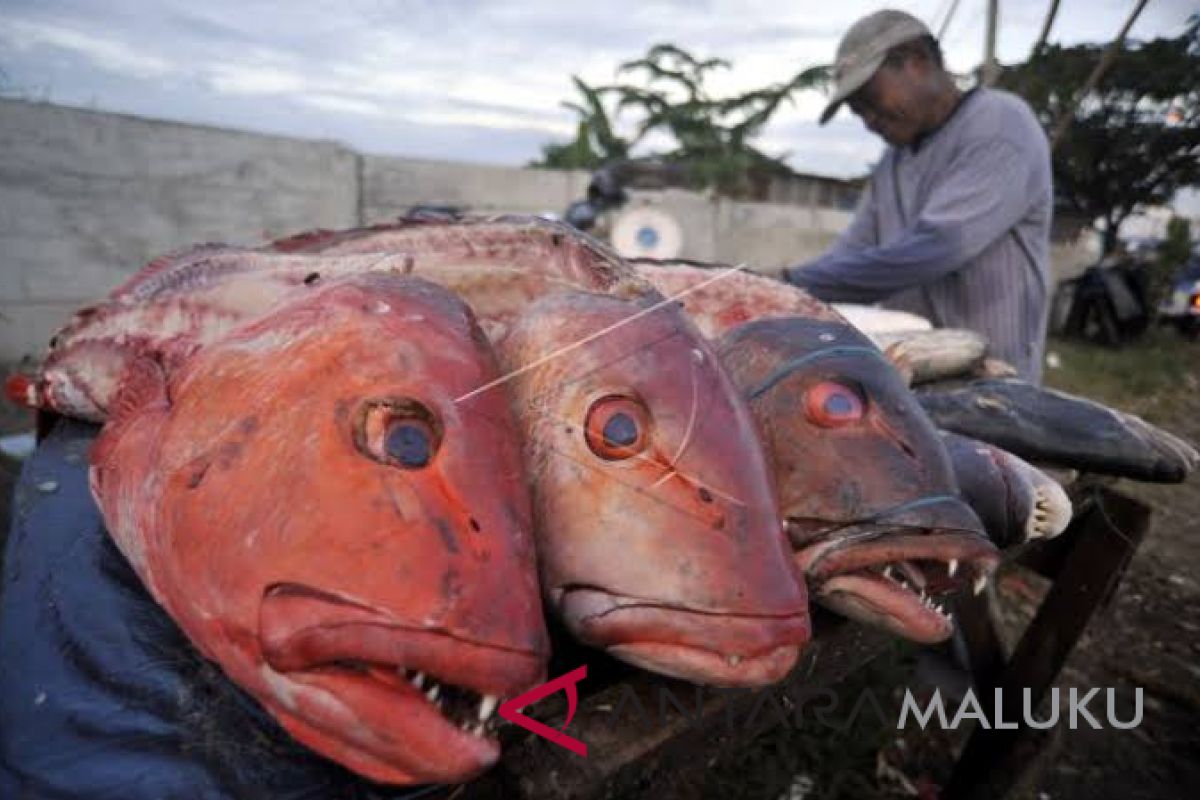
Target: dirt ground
{"type": "Point", "coordinates": [1148, 637]}
{"type": "Point", "coordinates": [1150, 634]}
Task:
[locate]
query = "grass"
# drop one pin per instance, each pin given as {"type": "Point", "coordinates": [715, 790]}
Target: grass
{"type": "Point", "coordinates": [1157, 377]}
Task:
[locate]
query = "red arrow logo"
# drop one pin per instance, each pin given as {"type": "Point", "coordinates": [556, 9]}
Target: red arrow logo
{"type": "Point", "coordinates": [511, 709]}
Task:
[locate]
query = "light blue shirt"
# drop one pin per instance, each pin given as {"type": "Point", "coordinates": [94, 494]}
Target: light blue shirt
{"type": "Point", "coordinates": [957, 230]}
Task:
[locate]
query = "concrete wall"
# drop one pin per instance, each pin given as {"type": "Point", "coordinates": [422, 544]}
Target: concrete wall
{"type": "Point", "coordinates": [86, 198]}
{"type": "Point", "coordinates": [763, 236]}
{"type": "Point", "coordinates": [391, 186]}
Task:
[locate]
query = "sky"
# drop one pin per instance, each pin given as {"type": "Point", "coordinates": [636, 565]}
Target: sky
{"type": "Point", "coordinates": [474, 80]}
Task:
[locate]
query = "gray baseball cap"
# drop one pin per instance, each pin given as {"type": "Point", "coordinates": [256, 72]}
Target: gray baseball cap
{"type": "Point", "coordinates": [863, 49]}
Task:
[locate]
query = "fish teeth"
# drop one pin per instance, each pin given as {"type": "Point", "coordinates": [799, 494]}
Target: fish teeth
{"type": "Point", "coordinates": [432, 694]}
{"type": "Point", "coordinates": [887, 572]}
{"type": "Point", "coordinates": [734, 660]}
{"type": "Point", "coordinates": [486, 706]}
{"type": "Point", "coordinates": [980, 583]}
{"type": "Point", "coordinates": [418, 680]}
{"type": "Point", "coordinates": [953, 568]}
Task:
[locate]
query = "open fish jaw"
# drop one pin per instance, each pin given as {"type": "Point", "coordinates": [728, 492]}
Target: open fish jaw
{"type": "Point", "coordinates": [863, 479]}
{"type": "Point", "coordinates": [362, 528]}
{"type": "Point", "coordinates": [1016, 501]}
{"type": "Point", "coordinates": [898, 579]}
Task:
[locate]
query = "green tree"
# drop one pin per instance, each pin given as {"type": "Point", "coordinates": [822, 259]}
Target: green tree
{"type": "Point", "coordinates": [1135, 139]}
{"type": "Point", "coordinates": [712, 136]}
{"type": "Point", "coordinates": [595, 141]}
{"type": "Point", "coordinates": [1173, 253]}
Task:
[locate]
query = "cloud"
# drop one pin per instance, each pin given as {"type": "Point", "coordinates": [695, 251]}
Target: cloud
{"type": "Point", "coordinates": [432, 79]}
{"type": "Point", "coordinates": [234, 78]}
{"type": "Point", "coordinates": [108, 54]}
{"type": "Point", "coordinates": [340, 104]}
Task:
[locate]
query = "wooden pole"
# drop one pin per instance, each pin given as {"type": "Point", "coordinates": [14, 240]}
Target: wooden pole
{"type": "Point", "coordinates": [946, 22]}
{"type": "Point", "coordinates": [1106, 61]}
{"type": "Point", "coordinates": [1051, 13]}
{"type": "Point", "coordinates": [990, 69]}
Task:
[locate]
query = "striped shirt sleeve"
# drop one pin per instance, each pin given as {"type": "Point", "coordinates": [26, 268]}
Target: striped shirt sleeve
{"type": "Point", "coordinates": [985, 191]}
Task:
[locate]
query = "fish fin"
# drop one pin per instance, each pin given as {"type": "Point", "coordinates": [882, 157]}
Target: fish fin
{"type": "Point", "coordinates": [132, 428]}
{"type": "Point", "coordinates": [305, 240]}
{"type": "Point", "coordinates": [901, 360]}
{"type": "Point", "coordinates": [143, 385]}
{"type": "Point", "coordinates": [156, 267]}
{"type": "Point", "coordinates": [995, 368]}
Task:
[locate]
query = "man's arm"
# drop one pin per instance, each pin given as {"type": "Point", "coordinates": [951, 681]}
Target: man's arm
{"type": "Point", "coordinates": [987, 189]}
{"type": "Point", "coordinates": [863, 230]}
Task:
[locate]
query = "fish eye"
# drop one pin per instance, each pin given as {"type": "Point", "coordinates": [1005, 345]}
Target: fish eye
{"type": "Point", "coordinates": [398, 431]}
{"type": "Point", "coordinates": [409, 442]}
{"type": "Point", "coordinates": [831, 404]}
{"type": "Point", "coordinates": [617, 428]}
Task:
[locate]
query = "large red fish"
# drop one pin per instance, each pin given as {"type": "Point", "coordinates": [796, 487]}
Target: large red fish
{"type": "Point", "coordinates": [667, 554]}
{"type": "Point", "coordinates": [658, 534]}
{"type": "Point", "coordinates": [499, 267]}
{"type": "Point", "coordinates": [867, 491]}
{"type": "Point", "coordinates": [309, 500]}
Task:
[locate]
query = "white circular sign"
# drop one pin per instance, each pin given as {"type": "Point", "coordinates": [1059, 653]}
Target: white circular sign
{"type": "Point", "coordinates": [647, 233]}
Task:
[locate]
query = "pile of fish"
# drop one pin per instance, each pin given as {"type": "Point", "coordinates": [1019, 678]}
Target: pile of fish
{"type": "Point", "coordinates": [354, 466]}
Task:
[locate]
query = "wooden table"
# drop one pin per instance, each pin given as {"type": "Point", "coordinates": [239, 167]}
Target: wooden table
{"type": "Point", "coordinates": [633, 721]}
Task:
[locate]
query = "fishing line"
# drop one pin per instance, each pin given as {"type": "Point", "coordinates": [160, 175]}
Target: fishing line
{"type": "Point", "coordinates": [598, 334]}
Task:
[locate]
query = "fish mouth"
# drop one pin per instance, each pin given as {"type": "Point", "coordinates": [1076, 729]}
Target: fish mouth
{"type": "Point", "coordinates": [706, 647]}
{"type": "Point", "coordinates": [397, 703]}
{"type": "Point", "coordinates": [896, 576]}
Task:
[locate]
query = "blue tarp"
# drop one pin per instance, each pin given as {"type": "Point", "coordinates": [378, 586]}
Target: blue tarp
{"type": "Point", "coordinates": [101, 696]}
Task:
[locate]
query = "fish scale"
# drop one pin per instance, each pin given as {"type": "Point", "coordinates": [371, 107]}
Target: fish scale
{"type": "Point", "coordinates": [267, 531]}
{"type": "Point", "coordinates": [505, 269]}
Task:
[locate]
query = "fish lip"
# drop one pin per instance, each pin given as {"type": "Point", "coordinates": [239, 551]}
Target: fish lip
{"type": "Point", "coordinates": [871, 600]}
{"type": "Point", "coordinates": [881, 546]}
{"type": "Point", "coordinates": [433, 749]}
{"type": "Point", "coordinates": [847, 564]}
{"type": "Point", "coordinates": [338, 628]}
{"type": "Point", "coordinates": [854, 579]}
{"type": "Point", "coordinates": [933, 527]}
{"type": "Point", "coordinates": [684, 642]}
{"type": "Point", "coordinates": [362, 658]}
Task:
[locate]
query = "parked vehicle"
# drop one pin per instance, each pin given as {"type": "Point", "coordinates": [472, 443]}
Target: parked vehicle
{"type": "Point", "coordinates": [1182, 305]}
{"type": "Point", "coordinates": [1105, 305]}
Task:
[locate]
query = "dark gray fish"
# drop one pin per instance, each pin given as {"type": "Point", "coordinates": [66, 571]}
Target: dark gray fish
{"type": "Point", "coordinates": [1015, 500]}
{"type": "Point", "coordinates": [866, 489]}
{"type": "Point", "coordinates": [1059, 429]}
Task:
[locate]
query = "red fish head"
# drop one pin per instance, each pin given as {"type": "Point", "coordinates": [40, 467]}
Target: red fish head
{"type": "Point", "coordinates": [659, 538]}
{"type": "Point", "coordinates": [324, 518]}
{"type": "Point", "coordinates": [866, 488]}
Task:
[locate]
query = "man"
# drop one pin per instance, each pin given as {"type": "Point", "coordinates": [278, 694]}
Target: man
{"type": "Point", "coordinates": [955, 222]}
